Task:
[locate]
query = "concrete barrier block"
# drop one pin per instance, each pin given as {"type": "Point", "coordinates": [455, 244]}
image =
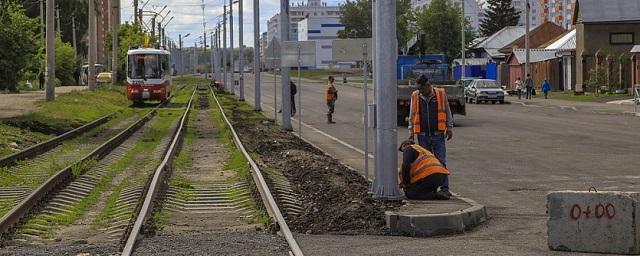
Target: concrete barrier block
{"type": "Point", "coordinates": [601, 222]}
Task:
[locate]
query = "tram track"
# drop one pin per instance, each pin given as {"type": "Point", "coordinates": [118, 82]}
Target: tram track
{"type": "Point", "coordinates": [65, 195]}
{"type": "Point", "coordinates": [217, 194]}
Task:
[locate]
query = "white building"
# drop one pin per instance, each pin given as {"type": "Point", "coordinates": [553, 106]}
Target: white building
{"type": "Point", "coordinates": [472, 10]}
{"type": "Point", "coordinates": [299, 11]}
{"type": "Point", "coordinates": [323, 31]}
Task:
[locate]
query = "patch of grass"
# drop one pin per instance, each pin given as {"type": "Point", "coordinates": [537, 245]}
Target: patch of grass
{"type": "Point", "coordinates": [13, 139]}
{"type": "Point", "coordinates": [83, 166]}
{"type": "Point", "coordinates": [569, 95]}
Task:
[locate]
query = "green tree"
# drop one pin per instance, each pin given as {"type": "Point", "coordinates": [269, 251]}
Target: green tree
{"type": "Point", "coordinates": [500, 14]}
{"type": "Point", "coordinates": [18, 43]}
{"type": "Point", "coordinates": [66, 62]}
{"type": "Point", "coordinates": [129, 36]}
{"type": "Point", "coordinates": [356, 17]}
{"type": "Point", "coordinates": [439, 25]}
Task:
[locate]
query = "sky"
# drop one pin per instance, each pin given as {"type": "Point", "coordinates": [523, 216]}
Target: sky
{"type": "Point", "coordinates": [188, 16]}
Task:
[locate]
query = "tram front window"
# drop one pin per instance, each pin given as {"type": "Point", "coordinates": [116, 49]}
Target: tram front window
{"type": "Point", "coordinates": [146, 66]}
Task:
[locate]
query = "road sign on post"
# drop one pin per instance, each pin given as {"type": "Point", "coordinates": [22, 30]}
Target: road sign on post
{"type": "Point", "coordinates": [298, 54]}
{"type": "Point", "coordinates": [358, 50]}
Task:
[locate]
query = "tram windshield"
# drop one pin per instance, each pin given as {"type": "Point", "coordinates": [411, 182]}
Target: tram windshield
{"type": "Point", "coordinates": [148, 66]}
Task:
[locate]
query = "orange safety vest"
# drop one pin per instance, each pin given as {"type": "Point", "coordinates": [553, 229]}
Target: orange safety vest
{"type": "Point", "coordinates": [414, 111]}
{"type": "Point", "coordinates": [331, 92]}
{"type": "Point", "coordinates": [425, 165]}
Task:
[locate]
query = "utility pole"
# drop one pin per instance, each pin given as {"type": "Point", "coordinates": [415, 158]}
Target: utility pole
{"type": "Point", "coordinates": [211, 61]}
{"type": "Point", "coordinates": [115, 19]}
{"type": "Point", "coordinates": [241, 39]}
{"type": "Point", "coordinates": [463, 45]}
{"type": "Point", "coordinates": [204, 39]}
{"type": "Point", "coordinates": [153, 26]}
{"type": "Point", "coordinates": [526, 38]}
{"type": "Point", "coordinates": [285, 71]}
{"type": "Point", "coordinates": [385, 184]}
{"type": "Point", "coordinates": [218, 55]}
{"type": "Point", "coordinates": [256, 54]}
{"type": "Point", "coordinates": [50, 66]}
{"type": "Point", "coordinates": [73, 34]}
{"type": "Point", "coordinates": [181, 57]}
{"type": "Point", "coordinates": [91, 77]}
{"type": "Point", "coordinates": [135, 12]}
{"type": "Point", "coordinates": [233, 66]}
{"type": "Point", "coordinates": [195, 57]}
{"type": "Point", "coordinates": [224, 49]}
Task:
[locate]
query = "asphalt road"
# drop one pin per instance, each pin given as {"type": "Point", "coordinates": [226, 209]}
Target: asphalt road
{"type": "Point", "coordinates": [507, 157]}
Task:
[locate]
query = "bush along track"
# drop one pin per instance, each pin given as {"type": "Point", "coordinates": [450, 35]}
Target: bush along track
{"type": "Point", "coordinates": [209, 195]}
{"type": "Point", "coordinates": [332, 197]}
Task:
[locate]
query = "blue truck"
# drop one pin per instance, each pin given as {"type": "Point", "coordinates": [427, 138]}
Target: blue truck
{"type": "Point", "coordinates": [436, 68]}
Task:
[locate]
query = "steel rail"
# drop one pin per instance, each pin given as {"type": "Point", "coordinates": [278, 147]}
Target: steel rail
{"type": "Point", "coordinates": [153, 187]}
{"type": "Point", "coordinates": [13, 217]}
{"type": "Point", "coordinates": [51, 143]}
{"type": "Point", "coordinates": [265, 193]}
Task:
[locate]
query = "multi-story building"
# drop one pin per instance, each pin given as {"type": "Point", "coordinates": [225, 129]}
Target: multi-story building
{"type": "Point", "coordinates": [299, 11]}
{"type": "Point", "coordinates": [558, 11]}
{"type": "Point", "coordinates": [323, 31]}
{"type": "Point", "coordinates": [472, 10]}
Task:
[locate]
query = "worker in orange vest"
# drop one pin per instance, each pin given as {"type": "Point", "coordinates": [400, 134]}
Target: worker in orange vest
{"type": "Point", "coordinates": [421, 173]}
{"type": "Point", "coordinates": [331, 97]}
{"type": "Point", "coordinates": [431, 120]}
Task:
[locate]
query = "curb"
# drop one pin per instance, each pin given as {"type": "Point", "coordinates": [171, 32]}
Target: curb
{"type": "Point", "coordinates": [425, 225]}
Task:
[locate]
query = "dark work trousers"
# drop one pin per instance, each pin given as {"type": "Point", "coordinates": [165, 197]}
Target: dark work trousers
{"type": "Point", "coordinates": [426, 188]}
{"type": "Point", "coordinates": [293, 104]}
{"type": "Point", "coordinates": [436, 144]}
{"type": "Point", "coordinates": [529, 91]}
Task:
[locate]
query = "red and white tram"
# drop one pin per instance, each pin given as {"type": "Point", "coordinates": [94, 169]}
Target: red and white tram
{"type": "Point", "coordinates": [148, 75]}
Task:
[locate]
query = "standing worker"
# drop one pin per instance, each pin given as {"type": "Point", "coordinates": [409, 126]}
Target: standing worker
{"type": "Point", "coordinates": [331, 96]}
{"type": "Point", "coordinates": [293, 91]}
{"type": "Point", "coordinates": [528, 83]}
{"type": "Point", "coordinates": [41, 79]}
{"type": "Point", "coordinates": [431, 120]}
{"type": "Point", "coordinates": [421, 173]}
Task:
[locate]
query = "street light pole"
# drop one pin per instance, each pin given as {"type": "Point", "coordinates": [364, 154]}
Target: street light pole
{"type": "Point", "coordinates": [526, 38]}
{"type": "Point", "coordinates": [241, 39]}
{"type": "Point", "coordinates": [463, 45]}
{"type": "Point", "coordinates": [93, 46]}
{"type": "Point", "coordinates": [224, 49]}
{"type": "Point", "coordinates": [50, 72]}
{"type": "Point", "coordinates": [233, 66]}
{"type": "Point", "coordinates": [115, 19]}
{"type": "Point", "coordinates": [286, 87]}
{"type": "Point", "coordinates": [256, 53]}
{"type": "Point", "coordinates": [385, 184]}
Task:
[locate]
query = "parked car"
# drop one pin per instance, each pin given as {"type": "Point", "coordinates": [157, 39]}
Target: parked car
{"type": "Point", "coordinates": [104, 77]}
{"type": "Point", "coordinates": [484, 90]}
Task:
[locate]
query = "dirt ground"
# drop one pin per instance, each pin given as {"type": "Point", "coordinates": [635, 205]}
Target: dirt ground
{"type": "Point", "coordinates": [12, 105]}
{"type": "Point", "coordinates": [334, 198]}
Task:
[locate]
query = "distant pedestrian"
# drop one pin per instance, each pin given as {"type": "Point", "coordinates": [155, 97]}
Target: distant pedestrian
{"type": "Point", "coordinates": [528, 83]}
{"type": "Point", "coordinates": [41, 79]}
{"type": "Point", "coordinates": [546, 88]}
{"type": "Point", "coordinates": [519, 88]}
{"type": "Point", "coordinates": [331, 96]}
{"type": "Point", "coordinates": [76, 76]}
{"type": "Point", "coordinates": [293, 91]}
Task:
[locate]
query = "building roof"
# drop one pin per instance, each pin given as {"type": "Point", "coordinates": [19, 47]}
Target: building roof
{"type": "Point", "coordinates": [536, 55]}
{"type": "Point", "coordinates": [472, 61]}
{"type": "Point", "coordinates": [501, 38]}
{"type": "Point", "coordinates": [635, 49]}
{"type": "Point", "coordinates": [565, 42]}
{"type": "Point", "coordinates": [537, 37]}
{"type": "Point", "coordinates": [590, 11]}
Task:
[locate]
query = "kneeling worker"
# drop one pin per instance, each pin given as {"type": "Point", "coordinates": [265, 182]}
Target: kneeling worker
{"type": "Point", "coordinates": [421, 173]}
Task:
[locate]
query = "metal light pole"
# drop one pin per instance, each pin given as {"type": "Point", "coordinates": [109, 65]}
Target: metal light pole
{"type": "Point", "coordinates": [463, 45]}
{"type": "Point", "coordinates": [526, 38]}
{"type": "Point", "coordinates": [50, 66]}
{"type": "Point", "coordinates": [211, 61]}
{"type": "Point", "coordinates": [286, 87]}
{"type": "Point", "coordinates": [73, 34]}
{"type": "Point", "coordinates": [241, 44]}
{"type": "Point", "coordinates": [93, 47]}
{"type": "Point", "coordinates": [233, 66]}
{"type": "Point", "coordinates": [224, 49]}
{"type": "Point", "coordinates": [385, 184]}
{"type": "Point", "coordinates": [217, 59]}
{"type": "Point", "coordinates": [115, 19]}
{"type": "Point", "coordinates": [256, 54]}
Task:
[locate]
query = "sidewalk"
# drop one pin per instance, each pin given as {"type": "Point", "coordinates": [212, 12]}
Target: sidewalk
{"type": "Point", "coordinates": [577, 106]}
{"type": "Point", "coordinates": [12, 105]}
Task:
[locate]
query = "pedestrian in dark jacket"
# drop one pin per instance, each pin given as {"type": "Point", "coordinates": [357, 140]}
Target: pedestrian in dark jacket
{"type": "Point", "coordinates": [41, 79]}
{"type": "Point", "coordinates": [293, 89]}
{"type": "Point", "coordinates": [528, 83]}
{"type": "Point", "coordinates": [546, 88]}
